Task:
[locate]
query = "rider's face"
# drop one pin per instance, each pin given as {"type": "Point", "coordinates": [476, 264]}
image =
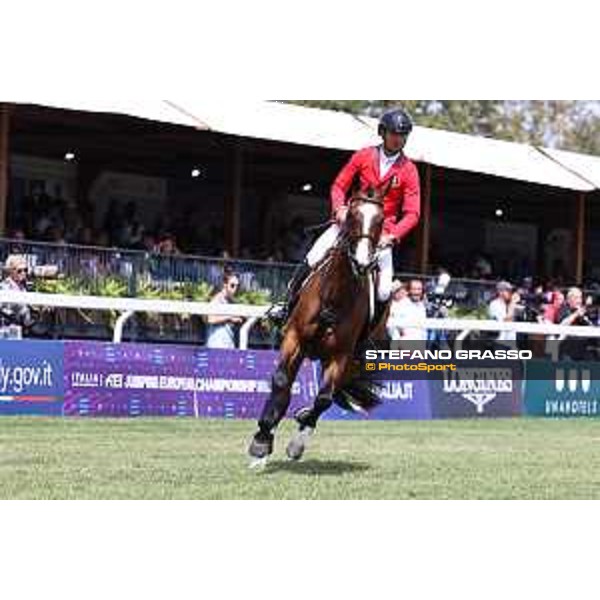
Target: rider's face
{"type": "Point", "coordinates": [393, 142]}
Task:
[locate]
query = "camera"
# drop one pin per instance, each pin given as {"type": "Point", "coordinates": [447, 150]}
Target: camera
{"type": "Point", "coordinates": [530, 308]}
{"type": "Point", "coordinates": [592, 313]}
{"type": "Point", "coordinates": [438, 300]}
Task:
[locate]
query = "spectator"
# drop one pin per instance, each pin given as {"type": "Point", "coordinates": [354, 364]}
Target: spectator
{"type": "Point", "coordinates": [112, 221]}
{"type": "Point", "coordinates": [574, 312]}
{"type": "Point", "coordinates": [148, 243]}
{"type": "Point", "coordinates": [18, 235]}
{"type": "Point", "coordinates": [399, 291]}
{"type": "Point", "coordinates": [56, 235]}
{"type": "Point", "coordinates": [42, 224]}
{"type": "Point", "coordinates": [167, 245]}
{"type": "Point", "coordinates": [131, 230]}
{"type": "Point", "coordinates": [73, 224]}
{"type": "Point", "coordinates": [554, 300]}
{"type": "Point", "coordinates": [482, 267]}
{"type": "Point", "coordinates": [16, 281]}
{"type": "Point", "coordinates": [503, 308]}
{"type": "Point", "coordinates": [221, 330]}
{"type": "Point", "coordinates": [408, 309]}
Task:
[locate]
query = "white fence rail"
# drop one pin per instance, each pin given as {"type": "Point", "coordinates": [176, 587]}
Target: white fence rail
{"type": "Point", "coordinates": [129, 306]}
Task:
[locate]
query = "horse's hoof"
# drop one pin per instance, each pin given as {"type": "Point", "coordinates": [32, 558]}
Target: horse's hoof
{"type": "Point", "coordinates": [261, 446]}
{"type": "Point", "coordinates": [298, 444]}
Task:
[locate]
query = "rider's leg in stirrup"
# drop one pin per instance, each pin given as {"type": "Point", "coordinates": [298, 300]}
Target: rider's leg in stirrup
{"type": "Point", "coordinates": [326, 241]}
{"type": "Point", "coordinates": [385, 280]}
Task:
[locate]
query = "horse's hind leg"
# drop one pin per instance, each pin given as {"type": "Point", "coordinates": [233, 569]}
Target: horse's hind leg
{"type": "Point", "coordinates": [279, 400]}
{"type": "Point", "coordinates": [307, 419]}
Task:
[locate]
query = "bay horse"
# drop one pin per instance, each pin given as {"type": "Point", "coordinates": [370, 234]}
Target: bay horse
{"type": "Point", "coordinates": [331, 316]}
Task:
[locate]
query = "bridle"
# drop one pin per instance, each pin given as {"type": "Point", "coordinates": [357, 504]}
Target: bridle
{"type": "Point", "coordinates": [346, 240]}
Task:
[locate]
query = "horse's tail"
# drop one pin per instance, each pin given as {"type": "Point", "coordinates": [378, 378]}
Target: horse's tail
{"type": "Point", "coordinates": [359, 394]}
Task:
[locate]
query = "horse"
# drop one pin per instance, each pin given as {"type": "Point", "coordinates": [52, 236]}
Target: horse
{"type": "Point", "coordinates": [331, 316]}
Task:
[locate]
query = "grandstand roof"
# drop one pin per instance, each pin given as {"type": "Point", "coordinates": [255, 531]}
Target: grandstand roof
{"type": "Point", "coordinates": [293, 124]}
{"type": "Point", "coordinates": [584, 165]}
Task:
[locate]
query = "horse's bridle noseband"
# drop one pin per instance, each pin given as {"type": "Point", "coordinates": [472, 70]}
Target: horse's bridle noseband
{"type": "Point", "coordinates": [359, 269]}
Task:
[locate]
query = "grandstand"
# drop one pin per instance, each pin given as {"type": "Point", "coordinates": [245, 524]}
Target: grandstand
{"type": "Point", "coordinates": [240, 173]}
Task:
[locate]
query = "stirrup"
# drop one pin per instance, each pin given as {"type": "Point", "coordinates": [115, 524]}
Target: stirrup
{"type": "Point", "coordinates": [279, 313]}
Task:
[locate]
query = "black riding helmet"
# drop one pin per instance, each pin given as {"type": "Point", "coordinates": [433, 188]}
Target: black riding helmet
{"type": "Point", "coordinates": [395, 121]}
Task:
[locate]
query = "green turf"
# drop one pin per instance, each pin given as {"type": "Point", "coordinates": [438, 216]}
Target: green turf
{"type": "Point", "coordinates": [188, 459]}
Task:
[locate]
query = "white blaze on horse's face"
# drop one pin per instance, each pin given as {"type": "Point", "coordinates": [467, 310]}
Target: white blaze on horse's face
{"type": "Point", "coordinates": [368, 212]}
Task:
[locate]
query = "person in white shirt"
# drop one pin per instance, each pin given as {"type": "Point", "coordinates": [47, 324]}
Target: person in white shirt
{"type": "Point", "coordinates": [409, 309]}
{"type": "Point", "coordinates": [16, 281]}
{"type": "Point", "coordinates": [221, 329]}
{"type": "Point", "coordinates": [502, 309]}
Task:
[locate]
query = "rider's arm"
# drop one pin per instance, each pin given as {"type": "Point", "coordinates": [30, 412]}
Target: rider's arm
{"type": "Point", "coordinates": [343, 182]}
{"type": "Point", "coordinates": [411, 207]}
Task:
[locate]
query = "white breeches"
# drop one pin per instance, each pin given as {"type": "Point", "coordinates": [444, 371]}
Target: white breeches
{"type": "Point", "coordinates": [385, 260]}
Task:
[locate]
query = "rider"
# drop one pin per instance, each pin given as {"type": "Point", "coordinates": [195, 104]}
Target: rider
{"type": "Point", "coordinates": [372, 166]}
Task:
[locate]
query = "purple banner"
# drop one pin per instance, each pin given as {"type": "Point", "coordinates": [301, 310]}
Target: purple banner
{"type": "Point", "coordinates": [129, 380]}
{"type": "Point", "coordinates": [401, 400]}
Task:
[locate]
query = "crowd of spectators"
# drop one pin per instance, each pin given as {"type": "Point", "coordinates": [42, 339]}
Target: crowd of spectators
{"type": "Point", "coordinates": [46, 219]}
{"type": "Point", "coordinates": [544, 303]}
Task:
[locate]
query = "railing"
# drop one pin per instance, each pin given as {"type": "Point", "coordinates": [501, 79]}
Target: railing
{"type": "Point", "coordinates": [94, 271]}
{"type": "Point", "coordinates": [128, 306]}
{"type": "Point", "coordinates": [139, 271]}
{"type": "Point", "coordinates": [120, 273]}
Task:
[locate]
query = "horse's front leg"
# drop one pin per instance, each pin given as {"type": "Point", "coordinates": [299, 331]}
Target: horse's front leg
{"type": "Point", "coordinates": [307, 419]}
{"type": "Point", "coordinates": [279, 400]}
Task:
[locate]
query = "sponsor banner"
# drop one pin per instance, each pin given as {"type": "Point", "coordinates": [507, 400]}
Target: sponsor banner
{"type": "Point", "coordinates": [401, 400]}
{"type": "Point", "coordinates": [130, 380]}
{"type": "Point", "coordinates": [562, 389]}
{"type": "Point", "coordinates": [477, 392]}
{"type": "Point", "coordinates": [31, 378]}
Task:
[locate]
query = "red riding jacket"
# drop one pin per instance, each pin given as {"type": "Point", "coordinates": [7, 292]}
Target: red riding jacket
{"type": "Point", "coordinates": [404, 195]}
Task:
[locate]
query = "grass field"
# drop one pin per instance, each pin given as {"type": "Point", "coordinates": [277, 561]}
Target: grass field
{"type": "Point", "coordinates": [188, 459]}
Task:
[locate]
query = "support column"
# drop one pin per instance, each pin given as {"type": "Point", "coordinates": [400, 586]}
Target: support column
{"type": "Point", "coordinates": [580, 238]}
{"type": "Point", "coordinates": [233, 202]}
{"type": "Point", "coordinates": [4, 162]}
{"type": "Point", "coordinates": [423, 239]}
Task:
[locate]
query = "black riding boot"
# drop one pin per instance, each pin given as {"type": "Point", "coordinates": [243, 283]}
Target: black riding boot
{"type": "Point", "coordinates": [280, 314]}
{"type": "Point", "coordinates": [380, 308]}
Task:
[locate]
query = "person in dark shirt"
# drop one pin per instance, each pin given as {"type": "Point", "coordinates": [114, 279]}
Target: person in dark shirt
{"type": "Point", "coordinates": [574, 312]}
